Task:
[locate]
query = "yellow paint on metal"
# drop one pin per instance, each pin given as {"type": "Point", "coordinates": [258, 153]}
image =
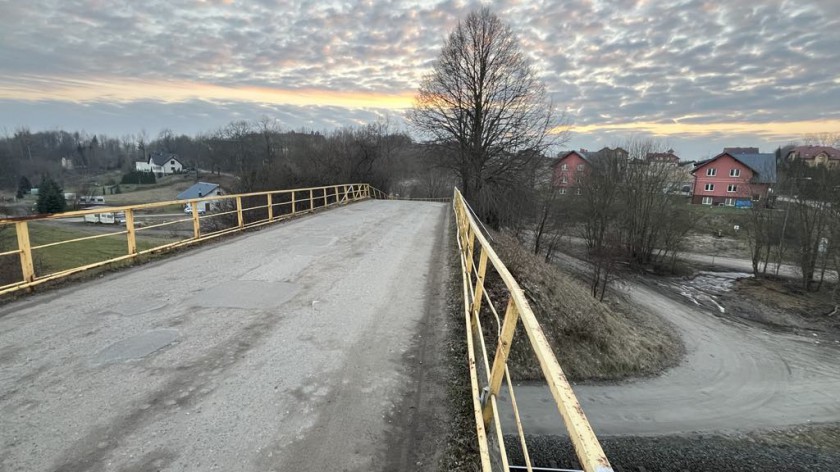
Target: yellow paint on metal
{"type": "Point", "coordinates": [195, 219]}
{"type": "Point", "coordinates": [26, 265]}
{"type": "Point", "coordinates": [586, 445]}
{"type": "Point", "coordinates": [131, 237]}
{"type": "Point", "coordinates": [30, 279]}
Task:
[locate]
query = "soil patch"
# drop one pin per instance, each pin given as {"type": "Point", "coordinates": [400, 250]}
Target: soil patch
{"type": "Point", "coordinates": [783, 304]}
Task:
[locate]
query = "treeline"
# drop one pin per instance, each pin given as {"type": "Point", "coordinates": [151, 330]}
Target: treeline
{"type": "Point", "coordinates": [802, 226]}
{"type": "Point", "coordinates": [261, 153]}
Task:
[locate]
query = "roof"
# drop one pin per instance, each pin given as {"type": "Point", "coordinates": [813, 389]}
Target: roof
{"type": "Point", "coordinates": [810, 152]}
{"type": "Point", "coordinates": [199, 190]}
{"type": "Point", "coordinates": [740, 150]}
{"type": "Point", "coordinates": [161, 158]}
{"type": "Point", "coordinates": [582, 155]}
{"type": "Point", "coordinates": [762, 165]}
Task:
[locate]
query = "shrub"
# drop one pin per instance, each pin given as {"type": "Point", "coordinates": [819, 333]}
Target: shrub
{"type": "Point", "coordinates": [138, 177]}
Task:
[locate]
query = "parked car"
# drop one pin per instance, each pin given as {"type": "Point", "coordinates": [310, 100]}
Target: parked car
{"type": "Point", "coordinates": [188, 209]}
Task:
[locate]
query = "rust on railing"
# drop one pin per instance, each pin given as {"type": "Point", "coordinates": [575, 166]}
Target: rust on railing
{"type": "Point", "coordinates": [470, 239]}
{"type": "Point", "coordinates": [327, 196]}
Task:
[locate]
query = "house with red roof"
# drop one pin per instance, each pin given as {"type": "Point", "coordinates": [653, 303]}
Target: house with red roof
{"type": "Point", "coordinates": [816, 155]}
{"type": "Point", "coordinates": [731, 179]}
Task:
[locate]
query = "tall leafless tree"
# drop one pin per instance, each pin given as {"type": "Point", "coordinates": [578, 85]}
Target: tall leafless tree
{"type": "Point", "coordinates": [484, 103]}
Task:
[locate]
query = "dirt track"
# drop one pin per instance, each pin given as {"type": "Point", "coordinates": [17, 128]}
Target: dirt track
{"type": "Point", "coordinates": [734, 377]}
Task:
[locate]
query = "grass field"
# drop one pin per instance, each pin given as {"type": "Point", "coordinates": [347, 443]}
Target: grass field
{"type": "Point", "coordinates": [66, 256]}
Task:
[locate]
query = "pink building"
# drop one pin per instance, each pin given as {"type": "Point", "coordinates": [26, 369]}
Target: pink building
{"type": "Point", "coordinates": [572, 167]}
{"type": "Point", "coordinates": [734, 179]}
{"type": "Point", "coordinates": [568, 170]}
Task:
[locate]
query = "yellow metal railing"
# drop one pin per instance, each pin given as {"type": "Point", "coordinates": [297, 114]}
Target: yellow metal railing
{"type": "Point", "coordinates": [472, 243]}
{"type": "Point", "coordinates": [243, 211]}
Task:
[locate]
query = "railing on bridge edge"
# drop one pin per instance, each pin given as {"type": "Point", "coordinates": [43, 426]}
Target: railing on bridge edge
{"type": "Point", "coordinates": [586, 445]}
{"type": "Point", "coordinates": [278, 205]}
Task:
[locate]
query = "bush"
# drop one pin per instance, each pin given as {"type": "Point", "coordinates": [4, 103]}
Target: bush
{"type": "Point", "coordinates": [138, 177]}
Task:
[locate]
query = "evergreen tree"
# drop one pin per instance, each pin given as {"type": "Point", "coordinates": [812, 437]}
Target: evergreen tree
{"type": "Point", "coordinates": [50, 197]}
{"type": "Point", "coordinates": [24, 186]}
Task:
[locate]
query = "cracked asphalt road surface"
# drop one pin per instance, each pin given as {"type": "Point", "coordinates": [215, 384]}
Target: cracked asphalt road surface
{"type": "Point", "coordinates": [281, 349]}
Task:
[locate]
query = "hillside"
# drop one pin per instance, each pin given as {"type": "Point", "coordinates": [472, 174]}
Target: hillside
{"type": "Point", "coordinates": [591, 340]}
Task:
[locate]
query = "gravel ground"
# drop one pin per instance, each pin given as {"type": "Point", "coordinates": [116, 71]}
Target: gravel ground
{"type": "Point", "coordinates": [695, 453]}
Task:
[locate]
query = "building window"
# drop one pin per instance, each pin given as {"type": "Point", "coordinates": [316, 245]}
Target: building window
{"type": "Point", "coordinates": [580, 167]}
{"type": "Point", "coordinates": [564, 167]}
{"type": "Point", "coordinates": [562, 191]}
{"type": "Point", "coordinates": [756, 197]}
{"type": "Point", "coordinates": [711, 172]}
{"type": "Point", "coordinates": [172, 162]}
{"type": "Point", "coordinates": [734, 172]}
{"type": "Point", "coordinates": [710, 187]}
{"type": "Point", "coordinates": [577, 180]}
{"type": "Point", "coordinates": [564, 180]}
{"type": "Point", "coordinates": [707, 200]}
{"type": "Point", "coordinates": [730, 202]}
{"type": "Point", "coordinates": [732, 188]}
{"type": "Point", "coordinates": [578, 192]}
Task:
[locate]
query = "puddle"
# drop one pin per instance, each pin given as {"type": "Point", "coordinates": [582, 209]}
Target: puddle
{"type": "Point", "coordinates": [136, 347]}
{"type": "Point", "coordinates": [706, 288]}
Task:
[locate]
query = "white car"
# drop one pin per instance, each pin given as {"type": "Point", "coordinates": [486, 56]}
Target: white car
{"type": "Point", "coordinates": [188, 210]}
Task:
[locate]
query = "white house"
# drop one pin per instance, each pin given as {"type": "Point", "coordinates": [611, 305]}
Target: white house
{"type": "Point", "coordinates": [201, 190]}
{"type": "Point", "coordinates": [161, 163]}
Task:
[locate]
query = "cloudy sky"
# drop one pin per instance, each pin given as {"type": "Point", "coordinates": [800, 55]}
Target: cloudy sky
{"type": "Point", "coordinates": [698, 74]}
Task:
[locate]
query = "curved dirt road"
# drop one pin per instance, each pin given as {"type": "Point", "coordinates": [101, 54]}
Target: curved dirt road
{"type": "Point", "coordinates": [734, 377]}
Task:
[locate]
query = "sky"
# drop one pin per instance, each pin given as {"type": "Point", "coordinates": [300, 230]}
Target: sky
{"type": "Point", "coordinates": [696, 75]}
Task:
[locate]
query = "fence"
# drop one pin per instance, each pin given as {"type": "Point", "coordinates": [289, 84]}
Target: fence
{"type": "Point", "coordinates": [472, 243]}
{"type": "Point", "coordinates": [230, 213]}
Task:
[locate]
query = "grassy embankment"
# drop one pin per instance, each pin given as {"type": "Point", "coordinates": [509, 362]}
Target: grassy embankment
{"type": "Point", "coordinates": [65, 256]}
{"type": "Point", "coordinates": [592, 340]}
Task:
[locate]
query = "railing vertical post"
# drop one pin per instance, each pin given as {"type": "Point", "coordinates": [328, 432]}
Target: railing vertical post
{"type": "Point", "coordinates": [270, 202]}
{"type": "Point", "coordinates": [26, 265]}
{"type": "Point", "coordinates": [470, 249]}
{"type": "Point", "coordinates": [336, 195]}
{"type": "Point", "coordinates": [293, 202]}
{"type": "Point", "coordinates": [195, 221]}
{"type": "Point", "coordinates": [479, 282]}
{"type": "Point", "coordinates": [326, 203]}
{"type": "Point", "coordinates": [497, 371]}
{"type": "Point", "coordinates": [239, 217]}
{"type": "Point", "coordinates": [129, 232]}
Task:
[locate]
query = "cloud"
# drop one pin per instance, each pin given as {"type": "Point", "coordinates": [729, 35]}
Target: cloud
{"type": "Point", "coordinates": [613, 64]}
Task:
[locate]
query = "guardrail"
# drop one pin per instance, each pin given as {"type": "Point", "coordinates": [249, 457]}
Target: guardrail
{"type": "Point", "coordinates": [472, 243]}
{"type": "Point", "coordinates": [380, 195]}
{"type": "Point", "coordinates": [229, 213]}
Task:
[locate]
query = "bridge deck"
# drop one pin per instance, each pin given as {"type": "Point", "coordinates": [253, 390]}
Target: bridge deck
{"type": "Point", "coordinates": [288, 348]}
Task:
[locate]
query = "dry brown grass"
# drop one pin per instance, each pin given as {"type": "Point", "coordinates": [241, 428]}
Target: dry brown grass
{"type": "Point", "coordinates": [591, 340]}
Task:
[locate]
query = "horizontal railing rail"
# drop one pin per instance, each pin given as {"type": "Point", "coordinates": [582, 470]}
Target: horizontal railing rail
{"type": "Point", "coordinates": [380, 195]}
{"type": "Point", "coordinates": [477, 257]}
{"type": "Point", "coordinates": [228, 214]}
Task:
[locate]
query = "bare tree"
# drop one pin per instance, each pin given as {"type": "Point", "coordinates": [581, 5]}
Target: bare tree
{"type": "Point", "coordinates": [822, 139]}
{"type": "Point", "coordinates": [485, 104]}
